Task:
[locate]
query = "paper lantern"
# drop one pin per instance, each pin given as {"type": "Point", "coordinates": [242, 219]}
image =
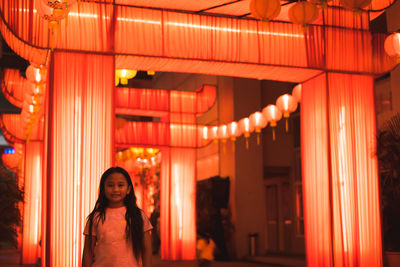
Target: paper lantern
{"type": "Point", "coordinates": [286, 104]}
{"type": "Point", "coordinates": [204, 133]}
{"type": "Point", "coordinates": [303, 13]}
{"type": "Point", "coordinates": [35, 74]}
{"type": "Point", "coordinates": [223, 134]}
{"type": "Point", "coordinates": [258, 122]}
{"type": "Point", "coordinates": [233, 132]}
{"type": "Point", "coordinates": [213, 133]}
{"type": "Point", "coordinates": [272, 114]}
{"type": "Point", "coordinates": [355, 5]}
{"type": "Point", "coordinates": [123, 75]}
{"type": "Point", "coordinates": [296, 92]}
{"type": "Point", "coordinates": [392, 45]}
{"type": "Point", "coordinates": [10, 159]}
{"type": "Point", "coordinates": [246, 128]}
{"type": "Point", "coordinates": [265, 10]}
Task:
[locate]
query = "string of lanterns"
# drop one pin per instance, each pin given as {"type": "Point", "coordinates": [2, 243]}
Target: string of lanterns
{"type": "Point", "coordinates": [32, 109]}
{"type": "Point", "coordinates": [271, 114]}
{"type": "Point", "coordinates": [301, 12]}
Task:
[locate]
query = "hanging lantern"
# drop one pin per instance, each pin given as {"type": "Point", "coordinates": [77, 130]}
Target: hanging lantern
{"type": "Point", "coordinates": [10, 159]}
{"type": "Point", "coordinates": [355, 5]}
{"type": "Point", "coordinates": [265, 10]}
{"type": "Point", "coordinates": [213, 133]}
{"type": "Point", "coordinates": [303, 13]}
{"type": "Point", "coordinates": [392, 45]}
{"type": "Point", "coordinates": [53, 16]}
{"type": "Point", "coordinates": [204, 133]}
{"type": "Point", "coordinates": [246, 128]}
{"type": "Point", "coordinates": [223, 134]}
{"type": "Point", "coordinates": [36, 75]}
{"type": "Point", "coordinates": [258, 122]}
{"type": "Point", "coordinates": [233, 132]}
{"type": "Point", "coordinates": [286, 104]}
{"type": "Point", "coordinates": [296, 92]}
{"type": "Point", "coordinates": [272, 114]}
{"type": "Point", "coordinates": [123, 75]}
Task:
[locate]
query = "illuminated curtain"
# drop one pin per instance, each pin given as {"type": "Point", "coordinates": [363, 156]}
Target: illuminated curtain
{"type": "Point", "coordinates": [182, 42]}
{"type": "Point", "coordinates": [80, 147]}
{"type": "Point", "coordinates": [32, 203]}
{"type": "Point", "coordinates": [341, 193]}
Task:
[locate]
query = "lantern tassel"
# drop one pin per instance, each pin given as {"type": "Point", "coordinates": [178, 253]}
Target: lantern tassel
{"type": "Point", "coordinates": [233, 146]}
{"type": "Point", "coordinates": [223, 148]}
{"type": "Point", "coordinates": [273, 133]}
{"type": "Point", "coordinates": [287, 125]}
{"type": "Point", "coordinates": [258, 138]}
{"type": "Point", "coordinates": [247, 143]}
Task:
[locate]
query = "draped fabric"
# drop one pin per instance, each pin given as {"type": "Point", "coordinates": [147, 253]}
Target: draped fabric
{"type": "Point", "coordinates": [81, 146]}
{"type": "Point", "coordinates": [31, 230]}
{"type": "Point", "coordinates": [10, 125]}
{"type": "Point", "coordinates": [14, 86]}
{"type": "Point", "coordinates": [341, 195]}
{"type": "Point", "coordinates": [163, 40]}
{"type": "Point", "coordinates": [178, 136]}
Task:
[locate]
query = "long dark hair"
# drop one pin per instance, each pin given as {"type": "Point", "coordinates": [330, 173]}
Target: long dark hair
{"type": "Point", "coordinates": [133, 216]}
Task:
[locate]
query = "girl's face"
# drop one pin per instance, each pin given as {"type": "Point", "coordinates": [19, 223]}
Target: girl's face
{"type": "Point", "coordinates": [116, 188]}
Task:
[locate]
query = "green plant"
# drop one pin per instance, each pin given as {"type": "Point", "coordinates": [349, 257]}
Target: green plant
{"type": "Point", "coordinates": [388, 152]}
{"type": "Point", "coordinates": [10, 196]}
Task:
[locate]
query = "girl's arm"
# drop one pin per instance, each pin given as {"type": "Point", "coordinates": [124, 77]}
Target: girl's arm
{"type": "Point", "coordinates": [147, 250]}
{"type": "Point", "coordinates": [87, 259]}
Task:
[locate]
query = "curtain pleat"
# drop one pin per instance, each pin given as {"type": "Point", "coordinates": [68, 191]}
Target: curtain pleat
{"type": "Point", "coordinates": [340, 175]}
{"type": "Point", "coordinates": [31, 230]}
{"type": "Point", "coordinates": [81, 147]}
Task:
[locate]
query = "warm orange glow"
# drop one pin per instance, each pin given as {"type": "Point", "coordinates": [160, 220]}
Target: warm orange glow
{"type": "Point", "coordinates": [258, 121]}
{"type": "Point", "coordinates": [296, 93]}
{"type": "Point", "coordinates": [32, 202]}
{"type": "Point", "coordinates": [205, 133]}
{"type": "Point", "coordinates": [81, 148]}
{"type": "Point", "coordinates": [286, 104]}
{"type": "Point", "coordinates": [392, 45]}
{"type": "Point", "coordinates": [272, 114]}
{"type": "Point", "coordinates": [341, 196]}
{"type": "Point", "coordinates": [223, 132]}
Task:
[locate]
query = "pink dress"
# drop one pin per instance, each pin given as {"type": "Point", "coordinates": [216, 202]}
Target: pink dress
{"type": "Point", "coordinates": [111, 248]}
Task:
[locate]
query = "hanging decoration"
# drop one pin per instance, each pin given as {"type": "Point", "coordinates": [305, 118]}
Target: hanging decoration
{"type": "Point", "coordinates": [213, 133]}
{"type": "Point", "coordinates": [303, 13]}
{"type": "Point", "coordinates": [355, 5]}
{"type": "Point", "coordinates": [392, 45]}
{"type": "Point", "coordinates": [246, 128]}
{"type": "Point", "coordinates": [286, 104]}
{"type": "Point", "coordinates": [258, 121]}
{"type": "Point", "coordinates": [53, 17]}
{"type": "Point", "coordinates": [123, 75]}
{"type": "Point", "coordinates": [223, 135]}
{"type": "Point", "coordinates": [205, 133]}
{"type": "Point", "coordinates": [272, 114]}
{"type": "Point", "coordinates": [296, 93]}
{"type": "Point", "coordinates": [265, 10]}
{"type": "Point", "coordinates": [234, 132]}
{"type": "Point", "coordinates": [10, 159]}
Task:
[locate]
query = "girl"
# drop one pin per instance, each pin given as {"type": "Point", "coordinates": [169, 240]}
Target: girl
{"type": "Point", "coordinates": [117, 231]}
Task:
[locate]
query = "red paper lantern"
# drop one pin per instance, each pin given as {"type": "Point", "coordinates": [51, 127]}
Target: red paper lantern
{"type": "Point", "coordinates": [35, 74]}
{"type": "Point", "coordinates": [223, 132]}
{"type": "Point", "coordinates": [213, 133]}
{"type": "Point", "coordinates": [272, 114]}
{"type": "Point", "coordinates": [392, 45]}
{"type": "Point", "coordinates": [10, 161]}
{"type": "Point", "coordinates": [355, 5]}
{"type": "Point", "coordinates": [233, 132]}
{"type": "Point", "coordinates": [303, 13]}
{"type": "Point", "coordinates": [246, 128]}
{"type": "Point", "coordinates": [205, 133]}
{"type": "Point", "coordinates": [258, 122]}
{"type": "Point", "coordinates": [296, 92]}
{"type": "Point", "coordinates": [286, 104]}
{"type": "Point", "coordinates": [265, 10]}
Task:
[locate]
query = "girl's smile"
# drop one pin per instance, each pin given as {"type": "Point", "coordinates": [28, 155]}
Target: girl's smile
{"type": "Point", "coordinates": [116, 188]}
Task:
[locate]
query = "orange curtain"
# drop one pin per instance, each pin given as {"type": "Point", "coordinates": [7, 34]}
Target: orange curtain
{"type": "Point", "coordinates": [162, 40]}
{"type": "Point", "coordinates": [340, 177]}
{"type": "Point", "coordinates": [81, 119]}
{"type": "Point", "coordinates": [31, 232]}
{"type": "Point", "coordinates": [14, 86]}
